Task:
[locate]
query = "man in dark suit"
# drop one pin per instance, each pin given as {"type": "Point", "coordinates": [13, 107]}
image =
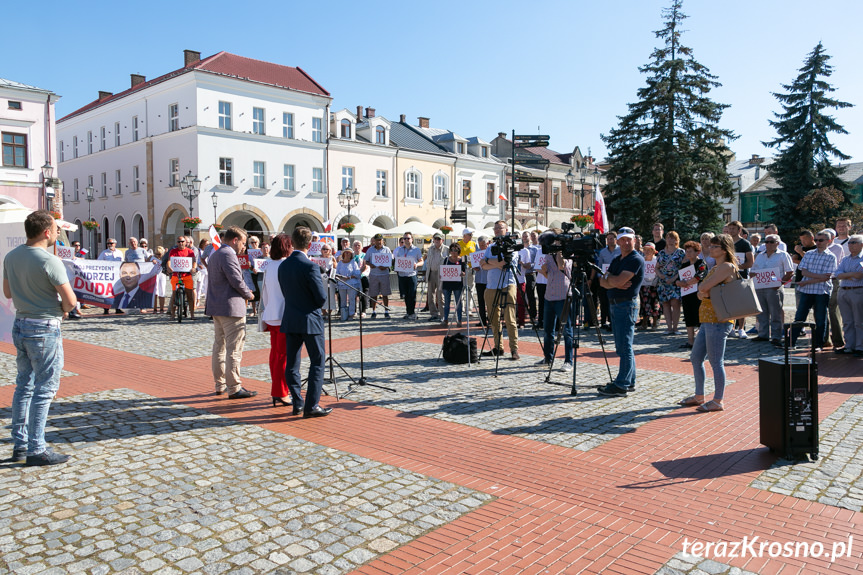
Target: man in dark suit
{"type": "Point", "coordinates": [303, 323]}
{"type": "Point", "coordinates": [133, 295]}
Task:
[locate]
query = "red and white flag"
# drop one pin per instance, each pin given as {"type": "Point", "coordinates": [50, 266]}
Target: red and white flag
{"type": "Point", "coordinates": [600, 218]}
{"type": "Point", "coordinates": [502, 196]}
{"type": "Point", "coordinates": [214, 237]}
{"type": "Point", "coordinates": [328, 225]}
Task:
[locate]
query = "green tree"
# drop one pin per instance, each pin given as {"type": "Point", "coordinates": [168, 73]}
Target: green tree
{"type": "Point", "coordinates": [802, 163]}
{"type": "Point", "coordinates": [668, 156]}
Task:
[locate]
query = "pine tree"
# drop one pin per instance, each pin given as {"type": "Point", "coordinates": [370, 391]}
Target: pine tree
{"type": "Point", "coordinates": [803, 128]}
{"type": "Point", "coordinates": [668, 156]}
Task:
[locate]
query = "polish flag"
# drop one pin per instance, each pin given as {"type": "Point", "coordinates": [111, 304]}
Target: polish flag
{"type": "Point", "coordinates": [328, 225]}
{"type": "Point", "coordinates": [214, 237]}
{"type": "Point", "coordinates": [600, 218]}
{"type": "Point", "coordinates": [502, 196]}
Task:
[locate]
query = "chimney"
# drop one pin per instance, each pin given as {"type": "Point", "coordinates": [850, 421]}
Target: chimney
{"type": "Point", "coordinates": [137, 79]}
{"type": "Point", "coordinates": [103, 94]}
{"type": "Point", "coordinates": [402, 118]}
{"type": "Point", "coordinates": [756, 160]}
{"type": "Point", "coordinates": [370, 112]}
{"type": "Point", "coordinates": [359, 113]}
{"type": "Point", "coordinates": [501, 135]}
{"type": "Point", "coordinates": [424, 122]}
{"type": "Point", "coordinates": [190, 57]}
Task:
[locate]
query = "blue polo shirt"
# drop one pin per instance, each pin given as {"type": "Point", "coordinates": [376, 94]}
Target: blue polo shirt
{"type": "Point", "coordinates": [634, 263]}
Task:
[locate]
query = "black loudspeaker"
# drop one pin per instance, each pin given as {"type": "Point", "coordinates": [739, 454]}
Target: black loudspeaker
{"type": "Point", "coordinates": [788, 396]}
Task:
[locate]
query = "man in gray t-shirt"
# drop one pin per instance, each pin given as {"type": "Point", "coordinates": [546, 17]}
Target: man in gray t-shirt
{"type": "Point", "coordinates": [37, 284]}
{"type": "Point", "coordinates": [135, 253]}
{"type": "Point", "coordinates": [379, 277]}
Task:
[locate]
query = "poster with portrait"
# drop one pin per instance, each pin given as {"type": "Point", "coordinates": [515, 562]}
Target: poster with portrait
{"type": "Point", "coordinates": [113, 285]}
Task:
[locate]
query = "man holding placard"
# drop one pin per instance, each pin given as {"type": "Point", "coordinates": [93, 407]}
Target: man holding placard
{"type": "Point", "coordinates": [434, 260]}
{"type": "Point", "coordinates": [772, 269]}
{"type": "Point", "coordinates": [408, 258]}
{"type": "Point", "coordinates": [182, 265]}
{"type": "Point", "coordinates": [379, 257]}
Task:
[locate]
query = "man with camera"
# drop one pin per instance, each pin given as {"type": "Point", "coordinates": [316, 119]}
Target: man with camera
{"type": "Point", "coordinates": [623, 282]}
{"type": "Point", "coordinates": [499, 259]}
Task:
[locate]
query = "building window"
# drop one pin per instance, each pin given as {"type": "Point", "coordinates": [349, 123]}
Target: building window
{"type": "Point", "coordinates": [317, 132]}
{"type": "Point", "coordinates": [136, 179]}
{"type": "Point", "coordinates": [226, 171]}
{"type": "Point", "coordinates": [134, 128]}
{"type": "Point", "coordinates": [380, 135]}
{"type": "Point", "coordinates": [102, 138]}
{"type": "Point", "coordinates": [13, 105]}
{"type": "Point", "coordinates": [260, 172]}
{"type": "Point", "coordinates": [116, 133]}
{"type": "Point", "coordinates": [489, 194]}
{"type": "Point", "coordinates": [258, 121]}
{"type": "Point", "coordinates": [347, 178]}
{"type": "Point", "coordinates": [460, 147]}
{"type": "Point", "coordinates": [15, 150]}
{"type": "Point", "coordinates": [289, 178]}
{"type": "Point", "coordinates": [288, 125]}
{"type": "Point", "coordinates": [74, 146]}
{"type": "Point", "coordinates": [465, 191]}
{"type": "Point", "coordinates": [555, 197]}
{"type": "Point", "coordinates": [440, 192]}
{"type": "Point", "coordinates": [317, 180]}
{"type": "Point", "coordinates": [412, 186]}
{"type": "Point", "coordinates": [75, 190]}
{"type": "Point", "coordinates": [225, 116]}
{"type": "Point", "coordinates": [381, 184]}
{"type": "Point", "coordinates": [62, 154]}
{"type": "Point", "coordinates": [173, 173]}
{"type": "Point", "coordinates": [118, 183]}
{"type": "Point", "coordinates": [345, 129]}
{"type": "Point", "coordinates": [173, 117]}
{"type": "Point", "coordinates": [104, 184]}
{"type": "Point", "coordinates": [484, 151]}
{"type": "Point", "coordinates": [89, 141]}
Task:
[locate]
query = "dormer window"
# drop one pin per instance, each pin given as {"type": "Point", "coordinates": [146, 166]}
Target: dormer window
{"type": "Point", "coordinates": [460, 147]}
{"type": "Point", "coordinates": [484, 151]}
{"type": "Point", "coordinates": [380, 135]}
{"type": "Point", "coordinates": [345, 129]}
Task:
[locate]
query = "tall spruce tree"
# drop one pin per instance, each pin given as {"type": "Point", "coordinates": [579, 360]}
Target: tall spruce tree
{"type": "Point", "coordinates": [668, 156]}
{"type": "Point", "coordinates": [803, 127]}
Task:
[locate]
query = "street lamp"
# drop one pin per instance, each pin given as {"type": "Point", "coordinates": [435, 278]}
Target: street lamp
{"type": "Point", "coordinates": [190, 187]}
{"type": "Point", "coordinates": [50, 183]}
{"type": "Point", "coordinates": [349, 198]}
{"type": "Point", "coordinates": [215, 199]}
{"type": "Point", "coordinates": [89, 191]}
{"type": "Point", "coordinates": [582, 173]}
{"type": "Point", "coordinates": [570, 184]}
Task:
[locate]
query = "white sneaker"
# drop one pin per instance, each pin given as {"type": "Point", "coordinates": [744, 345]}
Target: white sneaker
{"type": "Point", "coordinates": [567, 367]}
{"type": "Point", "coordinates": [742, 334]}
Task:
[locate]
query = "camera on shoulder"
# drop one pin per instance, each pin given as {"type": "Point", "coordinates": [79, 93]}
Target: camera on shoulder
{"type": "Point", "coordinates": [504, 246]}
{"type": "Point", "coordinates": [572, 245]}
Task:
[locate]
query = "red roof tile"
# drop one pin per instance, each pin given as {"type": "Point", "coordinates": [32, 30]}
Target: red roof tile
{"type": "Point", "coordinates": [231, 65]}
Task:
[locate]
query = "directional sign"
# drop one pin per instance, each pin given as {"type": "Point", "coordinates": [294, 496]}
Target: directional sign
{"type": "Point", "coordinates": [532, 144]}
{"type": "Point", "coordinates": [526, 194]}
{"type": "Point", "coordinates": [532, 162]}
{"type": "Point", "coordinates": [529, 179]}
{"type": "Point", "coordinates": [519, 173]}
{"type": "Point", "coordinates": [459, 216]}
{"type": "Point", "coordinates": [526, 137]}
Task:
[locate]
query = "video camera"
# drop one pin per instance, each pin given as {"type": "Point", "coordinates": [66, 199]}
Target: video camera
{"type": "Point", "coordinates": [504, 246]}
{"type": "Point", "coordinates": [573, 245]}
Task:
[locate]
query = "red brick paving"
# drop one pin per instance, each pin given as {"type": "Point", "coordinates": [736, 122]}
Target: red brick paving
{"type": "Point", "coordinates": [623, 507]}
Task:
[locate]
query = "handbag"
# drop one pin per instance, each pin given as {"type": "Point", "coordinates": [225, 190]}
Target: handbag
{"type": "Point", "coordinates": [735, 299]}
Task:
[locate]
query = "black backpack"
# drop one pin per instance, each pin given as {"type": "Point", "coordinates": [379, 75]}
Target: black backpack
{"type": "Point", "coordinates": [455, 349]}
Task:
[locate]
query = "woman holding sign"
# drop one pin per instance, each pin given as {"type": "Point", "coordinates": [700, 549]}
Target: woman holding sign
{"type": "Point", "coordinates": [451, 274]}
{"type": "Point", "coordinates": [328, 265]}
{"type": "Point", "coordinates": [711, 338]}
{"type": "Point", "coordinates": [691, 275]}
{"type": "Point", "coordinates": [650, 307]}
{"type": "Point", "coordinates": [668, 263]}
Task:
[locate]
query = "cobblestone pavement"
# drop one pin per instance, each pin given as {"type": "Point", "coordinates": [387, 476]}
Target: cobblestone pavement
{"type": "Point", "coordinates": [685, 564]}
{"type": "Point", "coordinates": [9, 371]}
{"type": "Point", "coordinates": [161, 487]}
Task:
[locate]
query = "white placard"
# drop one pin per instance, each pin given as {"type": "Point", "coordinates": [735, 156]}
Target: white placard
{"type": "Point", "coordinates": [540, 261]}
{"type": "Point", "coordinates": [321, 261]}
{"type": "Point", "coordinates": [254, 253]}
{"type": "Point", "coordinates": [315, 248]}
{"type": "Point", "coordinates": [687, 274]}
{"type": "Point", "coordinates": [380, 259]}
{"type": "Point", "coordinates": [179, 264]}
{"type": "Point", "coordinates": [741, 258]}
{"type": "Point", "coordinates": [476, 259]}
{"type": "Point", "coordinates": [64, 252]}
{"type": "Point", "coordinates": [261, 264]}
{"type": "Point", "coordinates": [450, 273]}
{"type": "Point", "coordinates": [405, 264]}
{"type": "Point", "coordinates": [650, 270]}
{"type": "Point", "coordinates": [766, 278]}
{"type": "Point", "coordinates": [605, 268]}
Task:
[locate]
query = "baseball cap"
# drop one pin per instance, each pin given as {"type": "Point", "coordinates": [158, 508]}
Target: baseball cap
{"type": "Point", "coordinates": [437, 236]}
{"type": "Point", "coordinates": [466, 231]}
{"type": "Point", "coordinates": [378, 237]}
{"type": "Point", "coordinates": [626, 233]}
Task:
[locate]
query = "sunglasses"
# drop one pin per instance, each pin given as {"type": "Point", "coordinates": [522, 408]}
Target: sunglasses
{"type": "Point", "coordinates": [770, 242]}
{"type": "Point", "coordinates": [820, 240]}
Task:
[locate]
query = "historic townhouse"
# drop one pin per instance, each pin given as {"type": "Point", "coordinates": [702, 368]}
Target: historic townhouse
{"type": "Point", "coordinates": [252, 133]}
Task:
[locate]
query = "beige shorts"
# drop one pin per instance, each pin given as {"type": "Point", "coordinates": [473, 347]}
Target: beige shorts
{"type": "Point", "coordinates": [379, 285]}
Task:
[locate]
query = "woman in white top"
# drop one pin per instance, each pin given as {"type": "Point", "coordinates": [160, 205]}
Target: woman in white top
{"type": "Point", "coordinates": [161, 283]}
{"type": "Point", "coordinates": [348, 270]}
{"type": "Point", "coordinates": [273, 303]}
{"type": "Point", "coordinates": [326, 269]}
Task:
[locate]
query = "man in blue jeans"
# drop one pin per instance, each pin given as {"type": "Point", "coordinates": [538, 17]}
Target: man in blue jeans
{"type": "Point", "coordinates": [32, 279]}
{"type": "Point", "coordinates": [623, 282]}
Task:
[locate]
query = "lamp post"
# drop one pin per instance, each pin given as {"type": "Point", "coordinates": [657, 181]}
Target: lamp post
{"type": "Point", "coordinates": [349, 198]}
{"type": "Point", "coordinates": [190, 187]}
{"type": "Point", "coordinates": [570, 184]}
{"type": "Point", "coordinates": [445, 205]}
{"type": "Point", "coordinates": [50, 183]}
{"type": "Point", "coordinates": [582, 176]}
{"type": "Point", "coordinates": [89, 191]}
{"type": "Point", "coordinates": [215, 199]}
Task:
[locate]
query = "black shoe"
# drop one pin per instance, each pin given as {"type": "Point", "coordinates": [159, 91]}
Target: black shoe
{"type": "Point", "coordinates": [243, 394]}
{"type": "Point", "coordinates": [776, 342]}
{"type": "Point", "coordinates": [74, 316]}
{"type": "Point", "coordinates": [106, 312]}
{"type": "Point", "coordinates": [606, 327]}
{"type": "Point", "coordinates": [18, 455]}
{"type": "Point", "coordinates": [279, 400]}
{"type": "Point", "coordinates": [119, 311]}
{"type": "Point", "coordinates": [493, 352]}
{"type": "Point", "coordinates": [317, 411]}
{"type": "Point", "coordinates": [47, 457]}
{"type": "Point", "coordinates": [297, 410]}
{"type": "Point", "coordinates": [611, 391]}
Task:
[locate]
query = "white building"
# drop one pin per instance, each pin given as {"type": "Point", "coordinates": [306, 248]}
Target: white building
{"type": "Point", "coordinates": [252, 132]}
{"type": "Point", "coordinates": [28, 135]}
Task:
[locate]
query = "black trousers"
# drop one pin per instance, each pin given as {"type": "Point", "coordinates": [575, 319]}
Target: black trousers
{"type": "Point", "coordinates": [530, 294]}
{"type": "Point", "coordinates": [480, 302]}
{"type": "Point", "coordinates": [540, 295]}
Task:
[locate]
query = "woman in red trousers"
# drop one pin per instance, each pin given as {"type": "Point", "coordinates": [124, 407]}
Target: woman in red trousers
{"type": "Point", "coordinates": [271, 316]}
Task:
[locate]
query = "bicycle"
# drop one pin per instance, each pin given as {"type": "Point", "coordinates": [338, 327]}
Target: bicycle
{"type": "Point", "coordinates": [179, 302]}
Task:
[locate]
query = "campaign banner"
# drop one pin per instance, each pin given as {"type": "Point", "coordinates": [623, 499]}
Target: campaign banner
{"type": "Point", "coordinates": [649, 270]}
{"type": "Point", "coordinates": [379, 259]}
{"type": "Point", "coordinates": [450, 273]}
{"type": "Point", "coordinates": [254, 253]}
{"type": "Point", "coordinates": [64, 252]}
{"type": "Point", "coordinates": [687, 274]}
{"type": "Point", "coordinates": [315, 248]}
{"type": "Point", "coordinates": [244, 261]}
{"type": "Point", "coordinates": [327, 238]}
{"type": "Point", "coordinates": [766, 278]}
{"type": "Point", "coordinates": [323, 262]}
{"type": "Point", "coordinates": [181, 264]}
{"type": "Point", "coordinates": [405, 265]}
{"type": "Point", "coordinates": [117, 285]}
{"type": "Point", "coordinates": [261, 264]}
{"type": "Point", "coordinates": [476, 259]}
{"type": "Point", "coordinates": [11, 236]}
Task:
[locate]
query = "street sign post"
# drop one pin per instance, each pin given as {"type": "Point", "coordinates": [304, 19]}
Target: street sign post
{"type": "Point", "coordinates": [532, 161]}
{"type": "Point", "coordinates": [459, 216]}
{"type": "Point", "coordinates": [526, 194]}
{"type": "Point", "coordinates": [532, 144]}
{"type": "Point", "coordinates": [528, 137]}
{"type": "Point", "coordinates": [529, 179]}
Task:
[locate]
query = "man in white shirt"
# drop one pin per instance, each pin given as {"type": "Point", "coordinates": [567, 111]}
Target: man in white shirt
{"type": "Point", "coordinates": [835, 336]}
{"type": "Point", "coordinates": [771, 319]}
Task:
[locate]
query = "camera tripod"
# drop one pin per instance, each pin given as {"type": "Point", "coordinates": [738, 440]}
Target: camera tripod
{"type": "Point", "coordinates": [500, 304]}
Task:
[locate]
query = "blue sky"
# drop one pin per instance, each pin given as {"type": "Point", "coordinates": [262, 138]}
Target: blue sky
{"type": "Point", "coordinates": [564, 68]}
